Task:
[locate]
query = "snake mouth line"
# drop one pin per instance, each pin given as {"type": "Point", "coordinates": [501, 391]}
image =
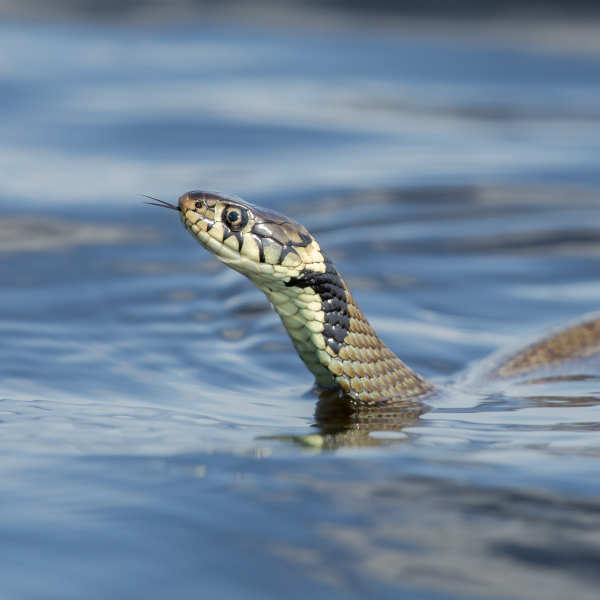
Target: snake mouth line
{"type": "Point", "coordinates": [163, 204]}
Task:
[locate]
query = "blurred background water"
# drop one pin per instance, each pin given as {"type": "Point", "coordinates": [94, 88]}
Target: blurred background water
{"type": "Point", "coordinates": [158, 433]}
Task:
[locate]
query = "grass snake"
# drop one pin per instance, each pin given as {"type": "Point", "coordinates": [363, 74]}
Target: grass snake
{"type": "Point", "coordinates": [326, 326]}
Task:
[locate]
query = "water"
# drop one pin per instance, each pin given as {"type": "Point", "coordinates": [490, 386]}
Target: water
{"type": "Point", "coordinates": [158, 433]}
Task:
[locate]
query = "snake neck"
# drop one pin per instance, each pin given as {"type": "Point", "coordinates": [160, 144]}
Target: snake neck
{"type": "Point", "coordinates": [335, 340]}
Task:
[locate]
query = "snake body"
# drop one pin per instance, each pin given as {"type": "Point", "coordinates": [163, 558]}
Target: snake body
{"type": "Point", "coordinates": [326, 326]}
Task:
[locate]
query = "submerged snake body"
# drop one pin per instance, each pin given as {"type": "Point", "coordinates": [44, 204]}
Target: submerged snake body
{"type": "Point", "coordinates": [329, 331]}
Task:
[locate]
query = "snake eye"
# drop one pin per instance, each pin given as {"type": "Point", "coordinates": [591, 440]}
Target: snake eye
{"type": "Point", "coordinates": [235, 217]}
{"type": "Point", "coordinates": [199, 204]}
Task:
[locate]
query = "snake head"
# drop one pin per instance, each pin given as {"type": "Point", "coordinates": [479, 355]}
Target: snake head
{"type": "Point", "coordinates": [258, 242]}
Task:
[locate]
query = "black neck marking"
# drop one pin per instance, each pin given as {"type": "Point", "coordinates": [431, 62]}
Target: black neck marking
{"type": "Point", "coordinates": [330, 287]}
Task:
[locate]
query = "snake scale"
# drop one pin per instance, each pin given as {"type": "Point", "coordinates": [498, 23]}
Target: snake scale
{"type": "Point", "coordinates": [326, 326]}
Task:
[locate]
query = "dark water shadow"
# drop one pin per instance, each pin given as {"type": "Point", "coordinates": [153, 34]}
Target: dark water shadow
{"type": "Point", "coordinates": [340, 422]}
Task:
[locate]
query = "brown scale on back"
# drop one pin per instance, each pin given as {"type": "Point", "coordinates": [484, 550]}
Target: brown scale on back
{"type": "Point", "coordinates": [577, 343]}
{"type": "Point", "coordinates": [375, 369]}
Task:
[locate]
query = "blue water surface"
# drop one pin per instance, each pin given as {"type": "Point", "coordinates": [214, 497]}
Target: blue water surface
{"type": "Point", "coordinates": [158, 434]}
